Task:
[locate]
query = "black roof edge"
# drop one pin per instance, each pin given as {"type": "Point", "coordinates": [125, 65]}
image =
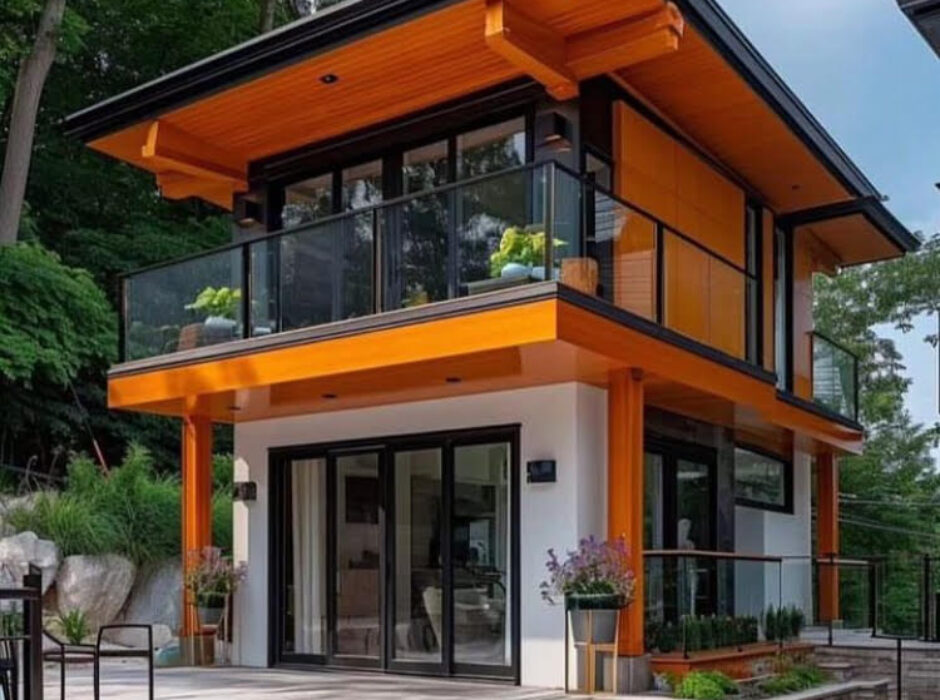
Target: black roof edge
{"type": "Point", "coordinates": [925, 16]}
{"type": "Point", "coordinates": [871, 207]}
{"type": "Point", "coordinates": [355, 18]}
{"type": "Point", "coordinates": [709, 19]}
{"type": "Point", "coordinates": [289, 44]}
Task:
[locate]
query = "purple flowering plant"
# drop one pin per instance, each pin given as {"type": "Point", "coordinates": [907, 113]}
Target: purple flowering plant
{"type": "Point", "coordinates": [594, 568]}
{"type": "Point", "coordinates": [210, 576]}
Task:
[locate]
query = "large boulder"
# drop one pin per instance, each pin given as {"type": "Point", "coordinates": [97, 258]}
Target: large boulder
{"type": "Point", "coordinates": [96, 585]}
{"type": "Point", "coordinates": [17, 552]}
{"type": "Point", "coordinates": [156, 599]}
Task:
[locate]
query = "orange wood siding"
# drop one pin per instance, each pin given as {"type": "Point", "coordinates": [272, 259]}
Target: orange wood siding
{"type": "Point", "coordinates": [704, 297]}
{"type": "Point", "coordinates": [810, 256]}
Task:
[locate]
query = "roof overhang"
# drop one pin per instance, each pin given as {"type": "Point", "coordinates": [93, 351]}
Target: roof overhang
{"type": "Point", "coordinates": [857, 231]}
{"type": "Point", "coordinates": [925, 14]}
{"type": "Point", "coordinates": [397, 57]}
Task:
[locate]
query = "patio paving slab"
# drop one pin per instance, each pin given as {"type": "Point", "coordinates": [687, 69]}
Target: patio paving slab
{"type": "Point", "coordinates": [128, 681]}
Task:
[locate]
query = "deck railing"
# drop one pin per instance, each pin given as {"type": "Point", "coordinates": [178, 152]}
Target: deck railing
{"type": "Point", "coordinates": [466, 238]}
{"type": "Point", "coordinates": [835, 376]}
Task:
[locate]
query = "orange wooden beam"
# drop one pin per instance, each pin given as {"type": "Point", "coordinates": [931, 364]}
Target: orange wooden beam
{"type": "Point", "coordinates": [625, 43]}
{"type": "Point", "coordinates": [559, 62]}
{"type": "Point", "coordinates": [533, 47]}
{"type": "Point", "coordinates": [196, 504]}
{"type": "Point", "coordinates": [625, 491]}
{"type": "Point", "coordinates": [827, 534]}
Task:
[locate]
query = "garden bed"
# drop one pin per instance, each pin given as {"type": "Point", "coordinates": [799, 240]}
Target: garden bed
{"type": "Point", "coordinates": [747, 662]}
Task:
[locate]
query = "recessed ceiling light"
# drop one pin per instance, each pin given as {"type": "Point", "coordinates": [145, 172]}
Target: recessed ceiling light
{"type": "Point", "coordinates": [329, 78]}
{"type": "Point", "coordinates": [454, 380]}
{"type": "Point", "coordinates": [330, 397]}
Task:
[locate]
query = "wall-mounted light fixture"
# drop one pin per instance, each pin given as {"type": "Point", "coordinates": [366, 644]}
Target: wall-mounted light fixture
{"type": "Point", "coordinates": [245, 491]}
{"type": "Point", "coordinates": [248, 213]}
{"type": "Point", "coordinates": [541, 471]}
{"type": "Point", "coordinates": [553, 131]}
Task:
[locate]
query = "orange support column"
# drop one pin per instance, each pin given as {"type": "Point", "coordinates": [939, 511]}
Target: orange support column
{"type": "Point", "coordinates": [625, 490]}
{"type": "Point", "coordinates": [827, 534]}
{"type": "Point", "coordinates": [196, 501]}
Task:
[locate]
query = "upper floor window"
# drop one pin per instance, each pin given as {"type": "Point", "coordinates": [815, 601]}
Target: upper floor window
{"type": "Point", "coordinates": [782, 289]}
{"type": "Point", "coordinates": [753, 255]}
{"type": "Point", "coordinates": [399, 171]}
{"type": "Point", "coordinates": [492, 148]}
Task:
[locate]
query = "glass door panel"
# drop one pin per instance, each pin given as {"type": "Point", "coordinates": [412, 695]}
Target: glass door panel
{"type": "Point", "coordinates": [357, 556]}
{"type": "Point", "coordinates": [305, 621]}
{"type": "Point", "coordinates": [481, 555]}
{"type": "Point", "coordinates": [694, 528]}
{"type": "Point", "coordinates": [418, 587]}
{"type": "Point", "coordinates": [653, 520]}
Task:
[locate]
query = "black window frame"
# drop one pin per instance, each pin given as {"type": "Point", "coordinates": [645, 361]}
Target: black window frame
{"type": "Point", "coordinates": [788, 485]}
{"type": "Point", "coordinates": [279, 461]}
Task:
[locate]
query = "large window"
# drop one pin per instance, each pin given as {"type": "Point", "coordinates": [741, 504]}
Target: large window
{"type": "Point", "coordinates": [406, 171]}
{"type": "Point", "coordinates": [762, 481]}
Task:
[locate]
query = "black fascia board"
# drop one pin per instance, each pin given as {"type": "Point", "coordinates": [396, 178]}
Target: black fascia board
{"type": "Point", "coordinates": [925, 16]}
{"type": "Point", "coordinates": [871, 207]}
{"type": "Point", "coordinates": [354, 19]}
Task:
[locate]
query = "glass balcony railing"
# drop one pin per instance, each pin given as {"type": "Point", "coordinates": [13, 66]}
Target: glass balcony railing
{"type": "Point", "coordinates": [835, 376]}
{"type": "Point", "coordinates": [468, 238]}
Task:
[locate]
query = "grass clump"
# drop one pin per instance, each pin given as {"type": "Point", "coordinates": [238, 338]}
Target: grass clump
{"type": "Point", "coordinates": [131, 511]}
{"type": "Point", "coordinates": [794, 680]}
{"type": "Point", "coordinates": [706, 685]}
{"type": "Point", "coordinates": [74, 626]}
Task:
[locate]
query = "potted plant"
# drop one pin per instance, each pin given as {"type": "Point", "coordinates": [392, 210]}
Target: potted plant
{"type": "Point", "coordinates": [521, 253]}
{"type": "Point", "coordinates": [596, 582]}
{"type": "Point", "coordinates": [210, 579]}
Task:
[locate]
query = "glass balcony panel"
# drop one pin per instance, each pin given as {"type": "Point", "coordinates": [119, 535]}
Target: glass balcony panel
{"type": "Point", "coordinates": [326, 272]}
{"type": "Point", "coordinates": [415, 234]}
{"type": "Point", "coordinates": [501, 232]}
{"type": "Point", "coordinates": [624, 242]}
{"type": "Point", "coordinates": [190, 304]}
{"type": "Point", "coordinates": [264, 287]}
{"type": "Point", "coordinates": [835, 377]}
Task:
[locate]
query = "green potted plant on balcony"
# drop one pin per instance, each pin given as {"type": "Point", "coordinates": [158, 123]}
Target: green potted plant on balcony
{"type": "Point", "coordinates": [220, 308]}
{"type": "Point", "coordinates": [521, 253]}
{"type": "Point", "coordinates": [596, 583]}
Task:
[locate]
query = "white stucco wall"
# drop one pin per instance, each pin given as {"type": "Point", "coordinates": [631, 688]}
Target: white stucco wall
{"type": "Point", "coordinates": [777, 534]}
{"type": "Point", "coordinates": [565, 422]}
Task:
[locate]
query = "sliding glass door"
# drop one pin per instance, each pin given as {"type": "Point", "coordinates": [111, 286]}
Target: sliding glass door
{"type": "Point", "coordinates": [403, 556]}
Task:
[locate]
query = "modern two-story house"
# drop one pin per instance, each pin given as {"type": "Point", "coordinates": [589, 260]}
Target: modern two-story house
{"type": "Point", "coordinates": [503, 275]}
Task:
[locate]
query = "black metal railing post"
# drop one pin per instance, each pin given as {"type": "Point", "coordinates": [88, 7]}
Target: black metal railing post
{"type": "Point", "coordinates": [660, 273]}
{"type": "Point", "coordinates": [549, 196]}
{"type": "Point", "coordinates": [925, 598]}
{"type": "Point", "coordinates": [246, 290]}
{"type": "Point", "coordinates": [32, 644]}
{"type": "Point", "coordinates": [873, 597]}
{"type": "Point", "coordinates": [830, 578]}
{"type": "Point", "coordinates": [900, 673]}
{"type": "Point", "coordinates": [378, 264]}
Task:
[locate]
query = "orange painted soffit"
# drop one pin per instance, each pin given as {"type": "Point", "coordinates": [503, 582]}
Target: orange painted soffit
{"type": "Point", "coordinates": [559, 62]}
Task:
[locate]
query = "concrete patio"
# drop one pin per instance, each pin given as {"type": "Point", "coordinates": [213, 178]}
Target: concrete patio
{"type": "Point", "coordinates": [128, 681]}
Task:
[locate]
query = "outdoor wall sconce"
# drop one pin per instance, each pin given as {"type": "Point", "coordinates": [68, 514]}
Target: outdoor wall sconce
{"type": "Point", "coordinates": [553, 131]}
{"type": "Point", "coordinates": [245, 491]}
{"type": "Point", "coordinates": [247, 213]}
{"type": "Point", "coordinates": [542, 471]}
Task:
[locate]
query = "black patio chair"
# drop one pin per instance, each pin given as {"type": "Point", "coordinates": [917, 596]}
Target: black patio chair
{"type": "Point", "coordinates": [9, 675]}
{"type": "Point", "coordinates": [124, 654]}
{"type": "Point", "coordinates": [64, 653]}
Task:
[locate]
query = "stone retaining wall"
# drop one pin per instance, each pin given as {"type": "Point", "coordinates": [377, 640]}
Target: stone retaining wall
{"type": "Point", "coordinates": [920, 668]}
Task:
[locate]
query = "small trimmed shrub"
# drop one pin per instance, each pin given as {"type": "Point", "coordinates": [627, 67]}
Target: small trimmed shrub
{"type": "Point", "coordinates": [706, 685]}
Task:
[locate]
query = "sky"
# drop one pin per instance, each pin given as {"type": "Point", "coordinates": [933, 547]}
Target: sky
{"type": "Point", "coordinates": [874, 83]}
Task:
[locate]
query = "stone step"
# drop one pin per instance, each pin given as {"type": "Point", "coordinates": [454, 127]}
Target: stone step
{"type": "Point", "coordinates": [838, 670]}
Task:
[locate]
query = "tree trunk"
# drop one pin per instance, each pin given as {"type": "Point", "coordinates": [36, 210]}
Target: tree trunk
{"type": "Point", "coordinates": [268, 8]}
{"type": "Point", "coordinates": [29, 84]}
